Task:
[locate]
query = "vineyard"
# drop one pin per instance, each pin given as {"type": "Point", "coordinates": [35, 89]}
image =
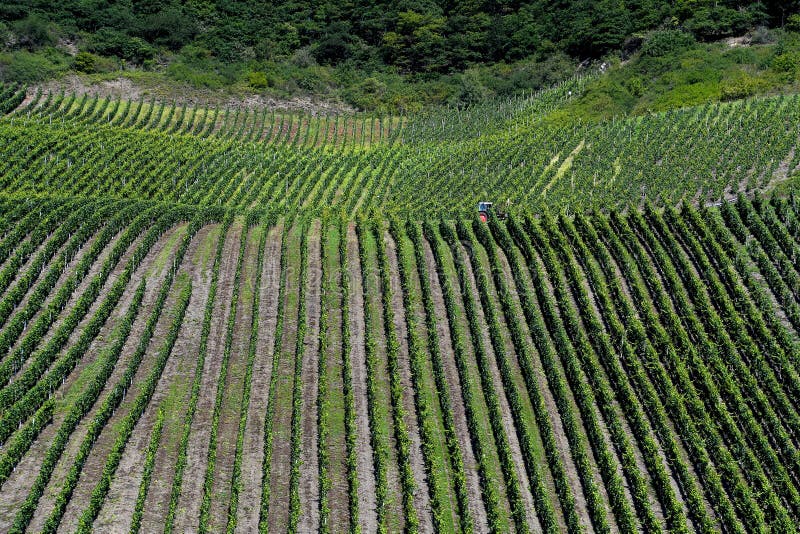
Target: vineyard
{"type": "Point", "coordinates": [237, 320]}
{"type": "Point", "coordinates": [356, 165]}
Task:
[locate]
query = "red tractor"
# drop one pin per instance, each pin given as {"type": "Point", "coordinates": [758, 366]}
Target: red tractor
{"type": "Point", "coordinates": [485, 210]}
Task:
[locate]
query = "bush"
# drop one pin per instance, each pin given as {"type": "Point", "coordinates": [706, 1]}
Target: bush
{"type": "Point", "coordinates": [793, 23]}
{"type": "Point", "coordinates": [687, 95]}
{"type": "Point", "coordinates": [34, 31]}
{"type": "Point", "coordinates": [634, 85]}
{"type": "Point", "coordinates": [718, 22]}
{"type": "Point", "coordinates": [470, 91]}
{"type": "Point", "coordinates": [667, 42]}
{"type": "Point", "coordinates": [257, 80]}
{"type": "Point", "coordinates": [84, 62]}
{"type": "Point", "coordinates": [788, 62]}
{"type": "Point", "coordinates": [113, 43]}
{"type": "Point", "coordinates": [761, 35]}
{"type": "Point", "coordinates": [90, 63]}
{"type": "Point", "coordinates": [303, 58]}
{"type": "Point", "coordinates": [182, 72]}
{"type": "Point", "coordinates": [333, 49]}
{"type": "Point", "coordinates": [26, 67]}
{"type": "Point", "coordinates": [368, 94]}
{"type": "Point", "coordinates": [5, 35]}
{"type": "Point", "coordinates": [741, 87]}
{"type": "Point", "coordinates": [170, 27]}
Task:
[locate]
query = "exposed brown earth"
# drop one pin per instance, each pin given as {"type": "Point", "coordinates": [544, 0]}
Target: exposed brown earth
{"type": "Point", "coordinates": [253, 449]}
{"type": "Point", "coordinates": [18, 485]}
{"type": "Point", "coordinates": [93, 468]}
{"type": "Point", "coordinates": [153, 282]}
{"type": "Point", "coordinates": [171, 395]}
{"type": "Point", "coordinates": [555, 420]}
{"type": "Point", "coordinates": [476, 505]}
{"type": "Point", "coordinates": [78, 292]}
{"type": "Point", "coordinates": [280, 466]}
{"type": "Point", "coordinates": [158, 496]}
{"type": "Point", "coordinates": [228, 428]}
{"type": "Point", "coordinates": [187, 517]}
{"type": "Point", "coordinates": [323, 297]}
{"type": "Point", "coordinates": [415, 313]}
{"type": "Point", "coordinates": [421, 492]}
{"type": "Point", "coordinates": [336, 445]}
{"type": "Point", "coordinates": [383, 413]}
{"type": "Point", "coordinates": [309, 455]}
{"type": "Point", "coordinates": [505, 409]}
{"type": "Point", "coordinates": [601, 420]}
{"type": "Point", "coordinates": [67, 271]}
{"type": "Point", "coordinates": [366, 476]}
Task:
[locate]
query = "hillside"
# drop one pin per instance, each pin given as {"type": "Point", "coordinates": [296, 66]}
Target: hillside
{"type": "Point", "coordinates": [237, 318]}
{"type": "Point", "coordinates": [611, 372]}
{"type": "Point", "coordinates": [388, 57]}
{"type": "Point", "coordinates": [442, 162]}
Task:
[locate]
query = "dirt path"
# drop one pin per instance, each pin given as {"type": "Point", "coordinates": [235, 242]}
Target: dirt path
{"type": "Point", "coordinates": [476, 505]}
{"type": "Point", "coordinates": [187, 517]}
{"type": "Point", "coordinates": [171, 394]}
{"type": "Point", "coordinates": [422, 492]}
{"type": "Point", "coordinates": [651, 302]}
{"type": "Point", "coordinates": [309, 456]}
{"type": "Point", "coordinates": [382, 420]}
{"type": "Point", "coordinates": [625, 286]}
{"type": "Point", "coordinates": [19, 483]}
{"type": "Point", "coordinates": [602, 418]}
{"type": "Point", "coordinates": [601, 422]}
{"type": "Point", "coordinates": [280, 466]}
{"type": "Point", "coordinates": [230, 411]}
{"type": "Point", "coordinates": [366, 476]}
{"type": "Point", "coordinates": [158, 496]}
{"type": "Point", "coordinates": [253, 451]}
{"type": "Point", "coordinates": [641, 466]}
{"type": "Point", "coordinates": [505, 409]}
{"type": "Point", "coordinates": [489, 454]}
{"type": "Point", "coordinates": [92, 469]}
{"type": "Point", "coordinates": [562, 442]}
{"type": "Point", "coordinates": [336, 442]}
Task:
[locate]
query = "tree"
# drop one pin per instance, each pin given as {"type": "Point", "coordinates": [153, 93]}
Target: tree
{"type": "Point", "coordinates": [35, 31]}
{"type": "Point", "coordinates": [416, 45]}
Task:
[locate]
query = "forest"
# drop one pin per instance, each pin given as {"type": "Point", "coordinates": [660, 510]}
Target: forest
{"type": "Point", "coordinates": [371, 55]}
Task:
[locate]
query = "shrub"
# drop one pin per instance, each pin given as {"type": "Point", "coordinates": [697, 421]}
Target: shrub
{"type": "Point", "coordinates": [471, 90]}
{"type": "Point", "coordinates": [788, 62]}
{"type": "Point", "coordinates": [793, 23]}
{"type": "Point", "coordinates": [257, 80]}
{"type": "Point", "coordinates": [634, 85]}
{"type": "Point", "coordinates": [26, 67]}
{"type": "Point", "coordinates": [182, 72]}
{"type": "Point", "coordinates": [740, 87]}
{"type": "Point", "coordinates": [34, 31]}
{"type": "Point", "coordinates": [95, 64]}
{"type": "Point", "coordinates": [84, 62]}
{"type": "Point", "coordinates": [108, 42]}
{"type": "Point", "coordinates": [714, 23]}
{"type": "Point", "coordinates": [667, 42]}
{"type": "Point", "coordinates": [761, 35]}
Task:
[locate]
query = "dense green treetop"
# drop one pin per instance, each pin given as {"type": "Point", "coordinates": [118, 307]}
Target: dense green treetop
{"type": "Point", "coordinates": [413, 35]}
{"type": "Point", "coordinates": [377, 55]}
